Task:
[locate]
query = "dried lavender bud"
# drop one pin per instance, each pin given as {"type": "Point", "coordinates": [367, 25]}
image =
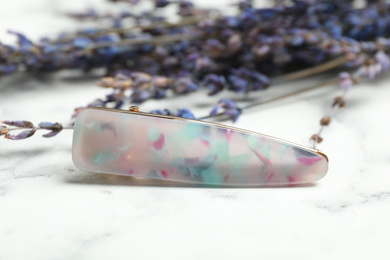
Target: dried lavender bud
{"type": "Point", "coordinates": [214, 83]}
{"type": "Point", "coordinates": [186, 8]}
{"type": "Point", "coordinates": [7, 69]}
{"type": "Point", "coordinates": [107, 82]}
{"type": "Point", "coordinates": [316, 138]}
{"type": "Point", "coordinates": [140, 96]}
{"type": "Point", "coordinates": [51, 134]}
{"type": "Point", "coordinates": [184, 86]}
{"type": "Point", "coordinates": [27, 124]}
{"type": "Point", "coordinates": [372, 71]}
{"type": "Point", "coordinates": [22, 135]}
{"type": "Point", "coordinates": [261, 50]}
{"type": "Point", "coordinates": [119, 81]}
{"type": "Point", "coordinates": [382, 59]}
{"type": "Point", "coordinates": [164, 112]}
{"type": "Point", "coordinates": [133, 2]}
{"type": "Point", "coordinates": [229, 107]}
{"type": "Point", "coordinates": [50, 126]}
{"type": "Point", "coordinates": [244, 5]}
{"type": "Point", "coordinates": [346, 81]}
{"type": "Point", "coordinates": [161, 3]}
{"type": "Point", "coordinates": [185, 113]}
{"type": "Point", "coordinates": [238, 84]}
{"type": "Point", "coordinates": [204, 65]}
{"type": "Point", "coordinates": [96, 103]}
{"type": "Point", "coordinates": [4, 130]}
{"type": "Point", "coordinates": [214, 48]}
{"type": "Point", "coordinates": [244, 80]}
{"type": "Point", "coordinates": [23, 41]}
{"type": "Point", "coordinates": [325, 121]}
{"type": "Point", "coordinates": [141, 78]}
{"type": "Point", "coordinates": [338, 101]}
{"type": "Point", "coordinates": [182, 112]}
{"type": "Point", "coordinates": [356, 80]}
{"type": "Point", "coordinates": [234, 43]}
{"type": "Point", "coordinates": [89, 13]}
{"type": "Point", "coordinates": [162, 82]}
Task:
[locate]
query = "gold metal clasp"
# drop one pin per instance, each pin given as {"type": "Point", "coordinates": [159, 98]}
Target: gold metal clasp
{"type": "Point", "coordinates": [134, 109]}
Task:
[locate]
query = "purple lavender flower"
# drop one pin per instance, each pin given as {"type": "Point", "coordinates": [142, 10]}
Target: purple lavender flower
{"type": "Point", "coordinates": [346, 81]}
{"type": "Point", "coordinates": [229, 107]}
{"type": "Point", "coordinates": [204, 64]}
{"type": "Point", "coordinates": [185, 113]}
{"type": "Point", "coordinates": [186, 8]}
{"type": "Point", "coordinates": [119, 103]}
{"type": "Point", "coordinates": [54, 128]}
{"type": "Point", "coordinates": [214, 48]}
{"type": "Point", "coordinates": [50, 126]}
{"type": "Point", "coordinates": [22, 135]}
{"type": "Point", "coordinates": [297, 39]}
{"type": "Point", "coordinates": [140, 79]}
{"type": "Point", "coordinates": [81, 42]}
{"type": "Point", "coordinates": [161, 3]}
{"type": "Point", "coordinates": [51, 134]}
{"type": "Point", "coordinates": [244, 5]}
{"type": "Point", "coordinates": [96, 103]}
{"type": "Point", "coordinates": [383, 59]}
{"type": "Point", "coordinates": [20, 124]}
{"type": "Point", "coordinates": [244, 80]}
{"type": "Point", "coordinates": [261, 50]}
{"type": "Point", "coordinates": [234, 43]}
{"type": "Point", "coordinates": [159, 112]}
{"type": "Point", "coordinates": [22, 39]}
{"type": "Point", "coordinates": [7, 69]}
{"type": "Point", "coordinates": [238, 84]}
{"type": "Point", "coordinates": [89, 13]}
{"type": "Point", "coordinates": [181, 112]}
{"type": "Point", "coordinates": [160, 93]}
{"type": "Point", "coordinates": [228, 21]}
{"type": "Point", "coordinates": [373, 70]}
{"type": "Point", "coordinates": [162, 82]}
{"type": "Point", "coordinates": [214, 83]}
{"type": "Point", "coordinates": [184, 85]}
{"type": "Point", "coordinates": [140, 96]}
{"type": "Point", "coordinates": [208, 25]}
{"type": "Point", "coordinates": [132, 2]}
{"type": "Point", "coordinates": [248, 19]}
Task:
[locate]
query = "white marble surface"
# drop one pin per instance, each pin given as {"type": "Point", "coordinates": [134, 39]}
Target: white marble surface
{"type": "Point", "coordinates": [51, 210]}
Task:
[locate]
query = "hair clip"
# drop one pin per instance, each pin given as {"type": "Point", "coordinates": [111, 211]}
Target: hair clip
{"type": "Point", "coordinates": [143, 145]}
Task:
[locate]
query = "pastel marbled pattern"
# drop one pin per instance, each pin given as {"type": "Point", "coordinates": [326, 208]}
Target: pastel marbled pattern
{"type": "Point", "coordinates": [188, 151]}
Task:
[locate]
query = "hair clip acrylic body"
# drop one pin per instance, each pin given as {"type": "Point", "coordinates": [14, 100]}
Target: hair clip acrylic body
{"type": "Point", "coordinates": [151, 146]}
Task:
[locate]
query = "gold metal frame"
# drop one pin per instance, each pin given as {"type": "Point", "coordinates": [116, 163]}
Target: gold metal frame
{"type": "Point", "coordinates": [134, 111]}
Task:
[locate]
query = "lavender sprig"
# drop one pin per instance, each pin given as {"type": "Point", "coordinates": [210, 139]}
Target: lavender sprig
{"type": "Point", "coordinates": [182, 112]}
{"type": "Point", "coordinates": [27, 129]}
{"type": "Point", "coordinates": [237, 53]}
{"type": "Point", "coordinates": [370, 69]}
{"type": "Point", "coordinates": [229, 108]}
